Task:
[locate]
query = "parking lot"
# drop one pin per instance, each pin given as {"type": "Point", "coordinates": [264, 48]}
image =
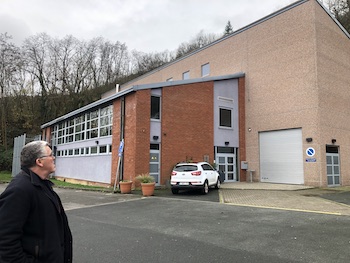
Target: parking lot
{"type": "Point", "coordinates": [190, 227]}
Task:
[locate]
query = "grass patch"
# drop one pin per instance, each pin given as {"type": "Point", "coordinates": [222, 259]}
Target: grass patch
{"type": "Point", "coordinates": [62, 184]}
{"type": "Point", "coordinates": [5, 177]}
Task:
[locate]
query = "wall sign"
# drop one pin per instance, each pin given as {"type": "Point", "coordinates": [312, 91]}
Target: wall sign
{"type": "Point", "coordinates": [310, 151]}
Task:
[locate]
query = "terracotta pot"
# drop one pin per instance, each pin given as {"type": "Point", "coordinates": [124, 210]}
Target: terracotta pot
{"type": "Point", "coordinates": [148, 188]}
{"type": "Point", "coordinates": [125, 187]}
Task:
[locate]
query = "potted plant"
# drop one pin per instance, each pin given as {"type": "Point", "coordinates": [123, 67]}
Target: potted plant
{"type": "Point", "coordinates": [125, 186]}
{"type": "Point", "coordinates": [147, 184]}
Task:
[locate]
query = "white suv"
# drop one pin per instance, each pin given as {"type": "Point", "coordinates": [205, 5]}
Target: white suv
{"type": "Point", "coordinates": [194, 176]}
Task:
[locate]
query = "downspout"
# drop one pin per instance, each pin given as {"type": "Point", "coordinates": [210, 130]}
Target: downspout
{"type": "Point", "coordinates": [122, 130]}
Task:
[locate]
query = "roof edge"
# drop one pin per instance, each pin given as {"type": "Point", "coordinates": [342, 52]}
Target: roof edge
{"type": "Point", "coordinates": [135, 88]}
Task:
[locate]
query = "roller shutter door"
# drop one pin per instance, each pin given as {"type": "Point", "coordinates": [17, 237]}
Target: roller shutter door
{"type": "Point", "coordinates": [281, 157]}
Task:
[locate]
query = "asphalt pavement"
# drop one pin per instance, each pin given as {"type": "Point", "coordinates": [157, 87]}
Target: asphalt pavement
{"type": "Point", "coordinates": [233, 224]}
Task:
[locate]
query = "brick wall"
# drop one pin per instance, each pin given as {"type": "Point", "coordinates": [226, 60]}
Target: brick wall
{"type": "Point", "coordinates": [115, 138]}
{"type": "Point", "coordinates": [187, 125]}
{"type": "Point", "coordinates": [136, 134]}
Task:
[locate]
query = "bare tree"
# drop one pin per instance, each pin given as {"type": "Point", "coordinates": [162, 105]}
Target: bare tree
{"type": "Point", "coordinates": [199, 41]}
{"type": "Point", "coordinates": [341, 11]}
{"type": "Point", "coordinates": [9, 63]}
{"type": "Point", "coordinates": [144, 62]}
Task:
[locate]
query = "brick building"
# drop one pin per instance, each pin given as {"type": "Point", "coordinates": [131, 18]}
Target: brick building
{"type": "Point", "coordinates": [274, 94]}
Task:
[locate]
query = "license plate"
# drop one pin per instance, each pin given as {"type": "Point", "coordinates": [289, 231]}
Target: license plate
{"type": "Point", "coordinates": [183, 183]}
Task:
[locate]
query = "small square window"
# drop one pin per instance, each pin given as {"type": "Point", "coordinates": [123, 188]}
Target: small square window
{"type": "Point", "coordinates": [103, 149]}
{"type": "Point", "coordinates": [93, 150]}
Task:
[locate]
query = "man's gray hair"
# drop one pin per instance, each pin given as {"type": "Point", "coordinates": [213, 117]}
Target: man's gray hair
{"type": "Point", "coordinates": [32, 151]}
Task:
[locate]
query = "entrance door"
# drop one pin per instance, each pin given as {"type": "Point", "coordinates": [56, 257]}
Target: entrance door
{"type": "Point", "coordinates": [226, 162]}
{"type": "Point", "coordinates": [333, 166]}
{"type": "Point", "coordinates": [154, 162]}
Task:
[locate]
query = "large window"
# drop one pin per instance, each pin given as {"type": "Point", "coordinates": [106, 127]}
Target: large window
{"type": "Point", "coordinates": [225, 118]}
{"type": "Point", "coordinates": [155, 107]}
{"type": "Point", "coordinates": [94, 124]}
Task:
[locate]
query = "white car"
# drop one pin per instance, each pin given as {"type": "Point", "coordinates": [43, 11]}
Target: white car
{"type": "Point", "coordinates": [194, 176]}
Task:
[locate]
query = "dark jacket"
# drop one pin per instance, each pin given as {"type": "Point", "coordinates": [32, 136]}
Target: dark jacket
{"type": "Point", "coordinates": [33, 224]}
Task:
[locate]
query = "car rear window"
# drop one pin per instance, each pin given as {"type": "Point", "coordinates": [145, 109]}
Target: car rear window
{"type": "Point", "coordinates": [186, 168]}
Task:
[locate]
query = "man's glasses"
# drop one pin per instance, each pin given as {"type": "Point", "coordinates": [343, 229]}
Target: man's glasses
{"type": "Point", "coordinates": [51, 155]}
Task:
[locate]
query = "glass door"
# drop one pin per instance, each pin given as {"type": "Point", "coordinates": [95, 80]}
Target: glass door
{"type": "Point", "coordinates": [333, 171]}
{"type": "Point", "coordinates": [154, 162]}
{"type": "Point", "coordinates": [333, 165]}
{"type": "Point", "coordinates": [227, 163]}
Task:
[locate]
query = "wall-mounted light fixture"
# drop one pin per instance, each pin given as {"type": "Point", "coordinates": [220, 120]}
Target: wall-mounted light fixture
{"type": "Point", "coordinates": [309, 139]}
{"type": "Point", "coordinates": [97, 142]}
{"type": "Point", "coordinates": [334, 141]}
{"type": "Point", "coordinates": [249, 129]}
{"type": "Point", "coordinates": [227, 143]}
{"type": "Point", "coordinates": [155, 138]}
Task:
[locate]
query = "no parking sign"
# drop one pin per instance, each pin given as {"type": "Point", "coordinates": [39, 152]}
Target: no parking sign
{"type": "Point", "coordinates": [310, 151]}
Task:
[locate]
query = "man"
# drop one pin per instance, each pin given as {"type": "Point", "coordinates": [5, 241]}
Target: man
{"type": "Point", "coordinates": [33, 224]}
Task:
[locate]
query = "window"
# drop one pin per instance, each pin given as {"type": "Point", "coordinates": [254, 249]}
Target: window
{"type": "Point", "coordinates": [94, 124]}
{"type": "Point", "coordinates": [225, 118]}
{"type": "Point", "coordinates": [155, 107]}
{"type": "Point", "coordinates": [207, 167]}
{"type": "Point", "coordinates": [186, 75]}
{"type": "Point", "coordinates": [106, 121]}
{"type": "Point", "coordinates": [205, 70]}
{"type": "Point", "coordinates": [93, 150]}
{"type": "Point", "coordinates": [103, 149]}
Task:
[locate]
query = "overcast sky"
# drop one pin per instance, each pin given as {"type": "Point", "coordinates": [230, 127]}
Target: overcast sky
{"type": "Point", "coordinates": [144, 25]}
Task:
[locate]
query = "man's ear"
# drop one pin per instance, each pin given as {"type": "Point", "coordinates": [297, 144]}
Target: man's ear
{"type": "Point", "coordinates": [39, 162]}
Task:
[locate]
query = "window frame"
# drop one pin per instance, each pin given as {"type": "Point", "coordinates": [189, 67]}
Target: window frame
{"type": "Point", "coordinates": [186, 75]}
{"type": "Point", "coordinates": [223, 121]}
{"type": "Point", "coordinates": [152, 112]}
{"type": "Point", "coordinates": [205, 70]}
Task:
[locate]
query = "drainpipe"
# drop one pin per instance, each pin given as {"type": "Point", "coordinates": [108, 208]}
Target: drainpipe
{"type": "Point", "coordinates": [122, 130]}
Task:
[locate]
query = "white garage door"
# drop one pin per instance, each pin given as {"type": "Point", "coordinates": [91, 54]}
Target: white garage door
{"type": "Point", "coordinates": [281, 157]}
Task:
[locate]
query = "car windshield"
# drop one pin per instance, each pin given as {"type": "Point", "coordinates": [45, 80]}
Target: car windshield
{"type": "Point", "coordinates": [186, 168]}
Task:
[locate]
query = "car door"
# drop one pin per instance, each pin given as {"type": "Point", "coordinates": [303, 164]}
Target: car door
{"type": "Point", "coordinates": [209, 172]}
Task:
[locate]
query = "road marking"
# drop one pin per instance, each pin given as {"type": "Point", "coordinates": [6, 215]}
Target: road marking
{"type": "Point", "coordinates": [288, 209]}
{"type": "Point", "coordinates": [77, 206]}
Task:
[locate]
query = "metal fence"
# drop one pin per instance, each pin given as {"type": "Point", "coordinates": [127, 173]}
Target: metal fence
{"type": "Point", "coordinates": [19, 142]}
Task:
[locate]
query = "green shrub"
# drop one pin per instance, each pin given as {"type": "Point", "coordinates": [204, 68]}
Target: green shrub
{"type": "Point", "coordinates": [5, 159]}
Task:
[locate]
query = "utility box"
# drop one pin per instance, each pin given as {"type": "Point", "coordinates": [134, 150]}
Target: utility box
{"type": "Point", "coordinates": [244, 165]}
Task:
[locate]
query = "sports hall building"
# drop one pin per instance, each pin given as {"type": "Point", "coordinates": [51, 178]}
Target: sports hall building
{"type": "Point", "coordinates": [271, 100]}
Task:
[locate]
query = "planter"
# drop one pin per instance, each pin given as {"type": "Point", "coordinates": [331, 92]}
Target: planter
{"type": "Point", "coordinates": [125, 187]}
{"type": "Point", "coordinates": [148, 188]}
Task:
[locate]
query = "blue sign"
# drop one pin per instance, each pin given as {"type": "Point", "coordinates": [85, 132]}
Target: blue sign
{"type": "Point", "coordinates": [310, 160]}
{"type": "Point", "coordinates": [121, 148]}
{"type": "Point", "coordinates": [310, 151]}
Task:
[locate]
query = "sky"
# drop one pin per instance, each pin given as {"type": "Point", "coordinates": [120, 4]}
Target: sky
{"type": "Point", "coordinates": [143, 25]}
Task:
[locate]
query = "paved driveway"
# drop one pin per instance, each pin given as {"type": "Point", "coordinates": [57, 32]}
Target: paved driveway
{"type": "Point", "coordinates": [185, 228]}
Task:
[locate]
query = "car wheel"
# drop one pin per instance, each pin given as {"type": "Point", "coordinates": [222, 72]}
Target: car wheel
{"type": "Point", "coordinates": [218, 183]}
{"type": "Point", "coordinates": [205, 188]}
{"type": "Point", "coordinates": [175, 191]}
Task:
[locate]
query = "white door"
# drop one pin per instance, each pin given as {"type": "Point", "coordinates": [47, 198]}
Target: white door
{"type": "Point", "coordinates": [154, 165]}
{"type": "Point", "coordinates": [226, 162]}
{"type": "Point", "coordinates": [281, 157]}
{"type": "Point", "coordinates": [333, 167]}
